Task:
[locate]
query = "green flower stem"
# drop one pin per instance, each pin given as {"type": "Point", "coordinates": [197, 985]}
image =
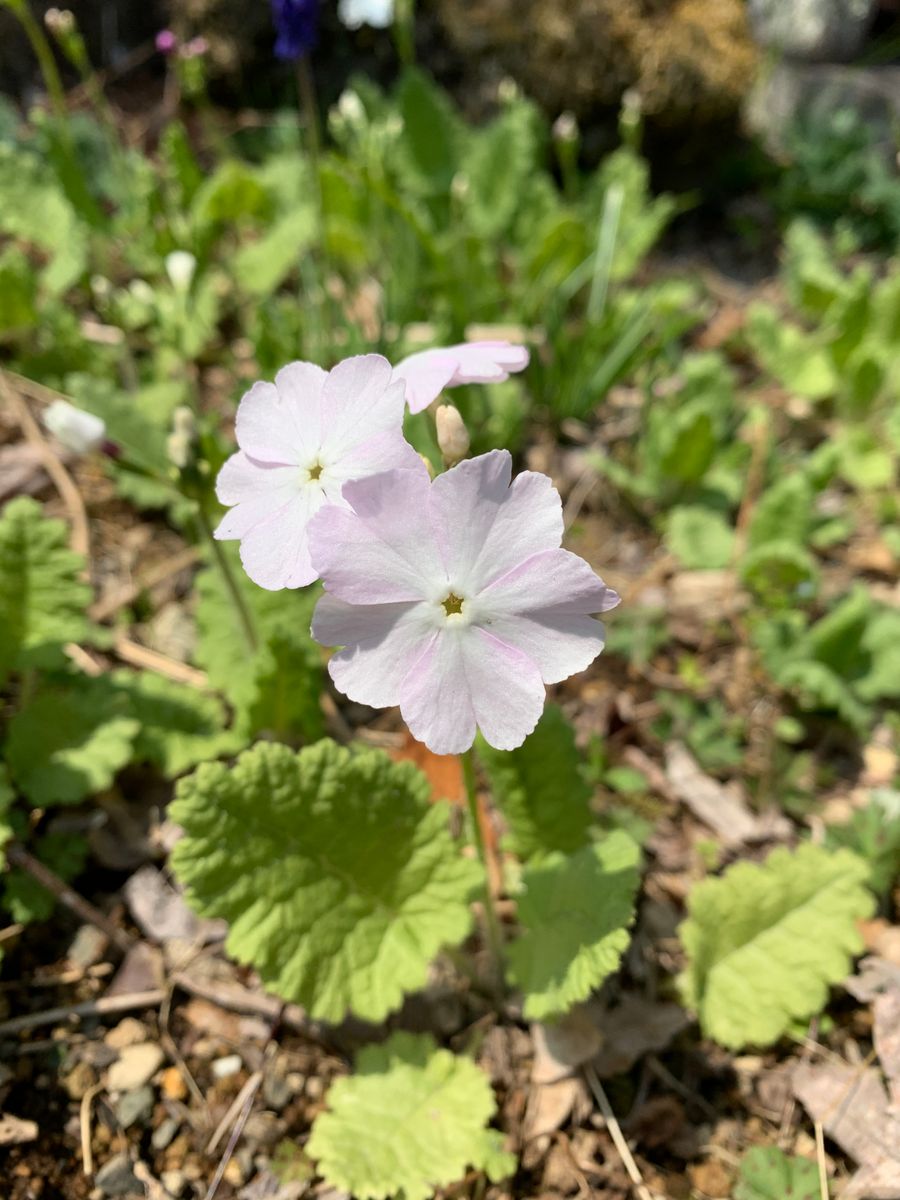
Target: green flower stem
{"type": "Point", "coordinates": [495, 938]}
{"type": "Point", "coordinates": [44, 54]}
{"type": "Point", "coordinates": [240, 604]}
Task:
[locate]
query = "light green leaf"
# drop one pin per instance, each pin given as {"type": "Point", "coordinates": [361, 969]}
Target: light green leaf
{"type": "Point", "coordinates": [540, 790]}
{"type": "Point", "coordinates": [700, 537]}
{"type": "Point", "coordinates": [575, 912]}
{"type": "Point", "coordinates": [784, 512]}
{"type": "Point", "coordinates": [260, 267]}
{"type": "Point", "coordinates": [34, 209]}
{"type": "Point", "coordinates": [179, 726]}
{"type": "Point", "coordinates": [410, 1121]}
{"type": "Point", "coordinates": [7, 796]}
{"type": "Point", "coordinates": [430, 133]}
{"type": "Point", "coordinates": [767, 1173]}
{"type": "Point", "coordinates": [70, 741]}
{"type": "Point", "coordinates": [497, 163]}
{"type": "Point", "coordinates": [231, 193]}
{"type": "Point", "coordinates": [349, 881]}
{"type": "Point", "coordinates": [795, 358]}
{"type": "Point", "coordinates": [43, 600]}
{"type": "Point", "coordinates": [765, 942]}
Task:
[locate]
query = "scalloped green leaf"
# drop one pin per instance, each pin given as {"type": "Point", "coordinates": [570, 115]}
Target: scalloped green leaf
{"type": "Point", "coordinates": [765, 942]}
{"type": "Point", "coordinates": [411, 1120]}
{"type": "Point", "coordinates": [43, 600]}
{"type": "Point", "coordinates": [70, 740]}
{"type": "Point", "coordinates": [873, 833]}
{"type": "Point", "coordinates": [179, 726]}
{"type": "Point", "coordinates": [767, 1173]}
{"type": "Point", "coordinates": [539, 788]}
{"type": "Point", "coordinates": [349, 880]}
{"type": "Point", "coordinates": [701, 538]}
{"type": "Point", "coordinates": [575, 914]}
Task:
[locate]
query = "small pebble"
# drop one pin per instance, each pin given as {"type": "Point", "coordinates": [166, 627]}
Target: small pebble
{"type": "Point", "coordinates": [173, 1085]}
{"type": "Point", "coordinates": [135, 1067]}
{"type": "Point", "coordinates": [164, 1133]}
{"type": "Point", "coordinates": [127, 1033]}
{"type": "Point", "coordinates": [134, 1107]}
{"type": "Point", "coordinates": [88, 947]}
{"type": "Point", "coordinates": [234, 1173]}
{"type": "Point", "coordinates": [222, 1068]}
{"type": "Point", "coordinates": [174, 1182]}
{"type": "Point", "coordinates": [116, 1178]}
{"type": "Point", "coordinates": [79, 1080]}
{"type": "Point", "coordinates": [314, 1088]}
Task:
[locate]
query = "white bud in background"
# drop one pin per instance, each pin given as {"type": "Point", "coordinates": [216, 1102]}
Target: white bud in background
{"type": "Point", "coordinates": [565, 128]}
{"type": "Point", "coordinates": [379, 14]}
{"type": "Point", "coordinates": [79, 431]}
{"type": "Point", "coordinates": [141, 291]}
{"type": "Point", "coordinates": [508, 91]}
{"type": "Point", "coordinates": [180, 441]}
{"type": "Point", "coordinates": [452, 435]}
{"type": "Point", "coordinates": [351, 108]}
{"type": "Point", "coordinates": [180, 267]}
{"type": "Point", "coordinates": [460, 186]}
{"type": "Point", "coordinates": [60, 21]}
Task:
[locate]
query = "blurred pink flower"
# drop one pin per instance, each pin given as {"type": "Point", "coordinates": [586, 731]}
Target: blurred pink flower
{"type": "Point", "coordinates": [195, 48]}
{"type": "Point", "coordinates": [454, 600]}
{"type": "Point", "coordinates": [166, 41]}
{"type": "Point", "coordinates": [428, 372]}
{"type": "Point", "coordinates": [301, 439]}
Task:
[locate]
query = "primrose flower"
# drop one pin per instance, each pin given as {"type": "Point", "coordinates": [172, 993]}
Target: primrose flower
{"type": "Point", "coordinates": [428, 372]}
{"type": "Point", "coordinates": [355, 13]}
{"type": "Point", "coordinates": [454, 600]}
{"type": "Point", "coordinates": [77, 430]}
{"type": "Point", "coordinates": [296, 26]}
{"type": "Point", "coordinates": [301, 439]}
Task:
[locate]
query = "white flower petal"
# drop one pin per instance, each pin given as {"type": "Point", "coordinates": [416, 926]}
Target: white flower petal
{"type": "Point", "coordinates": [275, 553]}
{"type": "Point", "coordinates": [428, 372]}
{"type": "Point", "coordinates": [359, 400]}
{"type": "Point", "coordinates": [383, 641]}
{"type": "Point", "coordinates": [485, 526]}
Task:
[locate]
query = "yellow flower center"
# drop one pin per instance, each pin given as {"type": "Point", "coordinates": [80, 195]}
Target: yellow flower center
{"type": "Point", "coordinates": [453, 605]}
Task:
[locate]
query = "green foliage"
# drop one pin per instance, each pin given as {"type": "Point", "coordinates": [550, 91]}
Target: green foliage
{"type": "Point", "coordinates": [42, 596]}
{"type": "Point", "coordinates": [349, 881]}
{"type": "Point", "coordinates": [764, 942]}
{"type": "Point", "coordinates": [873, 833]}
{"type": "Point", "coordinates": [178, 726]}
{"type": "Point", "coordinates": [767, 1173]}
{"type": "Point", "coordinates": [69, 741]}
{"type": "Point", "coordinates": [575, 912]}
{"type": "Point", "coordinates": [700, 537]}
{"type": "Point", "coordinates": [27, 900]}
{"type": "Point", "coordinates": [6, 802]}
{"type": "Point", "coordinates": [410, 1120]}
{"type": "Point", "coordinates": [275, 688]}
{"type": "Point", "coordinates": [541, 790]}
{"type": "Point", "coordinates": [846, 663]}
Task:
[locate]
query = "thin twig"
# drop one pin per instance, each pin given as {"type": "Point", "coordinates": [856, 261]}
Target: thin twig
{"type": "Point", "coordinates": [19, 856]}
{"type": "Point", "coordinates": [820, 1160]}
{"type": "Point", "coordinates": [104, 1006]}
{"type": "Point", "coordinates": [62, 480]}
{"type": "Point", "coordinates": [137, 655]}
{"type": "Point", "coordinates": [247, 1092]}
{"type": "Point", "coordinates": [84, 1124]}
{"type": "Point", "coordinates": [615, 1132]}
{"type": "Point", "coordinates": [106, 607]}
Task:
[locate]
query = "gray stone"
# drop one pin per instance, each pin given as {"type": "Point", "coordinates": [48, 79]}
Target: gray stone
{"type": "Point", "coordinates": [116, 1178]}
{"type": "Point", "coordinates": [88, 947]}
{"type": "Point", "coordinates": [164, 1133]}
{"type": "Point", "coordinates": [136, 1065]}
{"type": "Point", "coordinates": [134, 1107]}
{"type": "Point", "coordinates": [814, 30]}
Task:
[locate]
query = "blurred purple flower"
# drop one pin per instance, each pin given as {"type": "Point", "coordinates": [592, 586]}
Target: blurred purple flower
{"type": "Point", "coordinates": [297, 26]}
{"type": "Point", "coordinates": [166, 41]}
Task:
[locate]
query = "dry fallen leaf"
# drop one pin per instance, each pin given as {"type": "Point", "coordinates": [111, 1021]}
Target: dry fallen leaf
{"type": "Point", "coordinates": [561, 1048]}
{"type": "Point", "coordinates": [634, 1028]}
{"type": "Point", "coordinates": [443, 771]}
{"type": "Point", "coordinates": [551, 1104]}
{"type": "Point", "coordinates": [854, 1110]}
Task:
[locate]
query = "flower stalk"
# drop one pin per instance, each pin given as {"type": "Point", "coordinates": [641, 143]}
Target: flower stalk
{"type": "Point", "coordinates": [492, 921]}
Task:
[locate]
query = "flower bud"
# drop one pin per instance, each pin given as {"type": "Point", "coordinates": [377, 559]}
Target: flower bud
{"type": "Point", "coordinates": [180, 267]}
{"type": "Point", "coordinates": [351, 107]}
{"type": "Point", "coordinates": [60, 21]}
{"type": "Point", "coordinates": [166, 42]}
{"type": "Point", "coordinates": [565, 128]}
{"type": "Point", "coordinates": [77, 430]}
{"type": "Point", "coordinates": [452, 435]}
{"type": "Point", "coordinates": [180, 442]}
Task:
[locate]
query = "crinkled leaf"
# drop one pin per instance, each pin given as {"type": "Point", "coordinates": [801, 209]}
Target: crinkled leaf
{"type": "Point", "coordinates": [261, 267]}
{"type": "Point", "coordinates": [34, 209]}
{"type": "Point", "coordinates": [411, 1120]}
{"type": "Point", "coordinates": [767, 1173]}
{"type": "Point", "coordinates": [575, 912]}
{"type": "Point", "coordinates": [784, 512]}
{"type": "Point", "coordinates": [27, 900]}
{"type": "Point", "coordinates": [179, 726]}
{"type": "Point", "coordinates": [340, 881]}
{"type": "Point", "coordinates": [544, 798]}
{"type": "Point", "coordinates": [497, 162]}
{"type": "Point", "coordinates": [765, 942]}
{"type": "Point", "coordinates": [43, 600]}
{"type": "Point", "coordinates": [431, 134]}
{"type": "Point", "coordinates": [70, 740]}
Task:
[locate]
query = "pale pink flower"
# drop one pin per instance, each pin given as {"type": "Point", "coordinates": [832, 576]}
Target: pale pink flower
{"type": "Point", "coordinates": [428, 372]}
{"type": "Point", "coordinates": [454, 600]}
{"type": "Point", "coordinates": [301, 439]}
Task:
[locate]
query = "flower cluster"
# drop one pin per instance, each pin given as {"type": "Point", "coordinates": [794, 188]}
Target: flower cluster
{"type": "Point", "coordinates": [451, 597]}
